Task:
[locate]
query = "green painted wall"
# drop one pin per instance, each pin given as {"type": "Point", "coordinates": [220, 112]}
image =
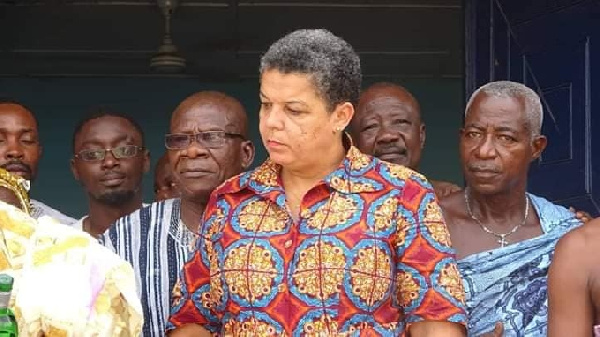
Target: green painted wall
{"type": "Point", "coordinates": [59, 104]}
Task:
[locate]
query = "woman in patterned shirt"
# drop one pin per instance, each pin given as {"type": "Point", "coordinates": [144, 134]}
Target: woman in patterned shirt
{"type": "Point", "coordinates": [321, 239]}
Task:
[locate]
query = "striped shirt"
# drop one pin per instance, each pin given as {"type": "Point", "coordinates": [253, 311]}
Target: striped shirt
{"type": "Point", "coordinates": [157, 244]}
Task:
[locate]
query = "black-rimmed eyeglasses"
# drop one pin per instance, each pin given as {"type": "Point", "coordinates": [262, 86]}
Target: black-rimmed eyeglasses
{"type": "Point", "coordinates": [208, 139]}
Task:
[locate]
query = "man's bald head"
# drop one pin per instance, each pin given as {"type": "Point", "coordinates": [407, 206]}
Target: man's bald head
{"type": "Point", "coordinates": [215, 145]}
{"type": "Point", "coordinates": [388, 125]}
{"type": "Point", "coordinates": [216, 100]}
{"type": "Point", "coordinates": [382, 94]}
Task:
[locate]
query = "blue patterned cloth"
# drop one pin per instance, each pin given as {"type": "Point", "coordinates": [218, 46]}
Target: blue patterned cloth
{"type": "Point", "coordinates": [510, 284]}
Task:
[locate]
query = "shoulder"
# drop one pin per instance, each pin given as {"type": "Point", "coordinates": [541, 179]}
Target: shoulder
{"type": "Point", "coordinates": [149, 212]}
{"type": "Point", "coordinates": [399, 176]}
{"type": "Point", "coordinates": [40, 209]}
{"type": "Point", "coordinates": [453, 204]}
{"type": "Point", "coordinates": [580, 241]}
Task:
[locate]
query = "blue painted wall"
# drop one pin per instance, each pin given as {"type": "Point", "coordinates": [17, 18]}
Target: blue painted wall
{"type": "Point", "coordinates": [59, 104]}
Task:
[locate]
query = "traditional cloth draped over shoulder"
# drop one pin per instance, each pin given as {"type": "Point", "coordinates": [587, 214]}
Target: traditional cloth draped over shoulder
{"type": "Point", "coordinates": [66, 284]}
{"type": "Point", "coordinates": [510, 284]}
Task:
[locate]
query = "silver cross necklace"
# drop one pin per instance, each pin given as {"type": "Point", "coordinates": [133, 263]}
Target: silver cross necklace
{"type": "Point", "coordinates": [501, 236]}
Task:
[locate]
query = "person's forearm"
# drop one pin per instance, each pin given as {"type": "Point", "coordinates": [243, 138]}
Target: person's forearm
{"type": "Point", "coordinates": [189, 330]}
{"type": "Point", "coordinates": [436, 329]}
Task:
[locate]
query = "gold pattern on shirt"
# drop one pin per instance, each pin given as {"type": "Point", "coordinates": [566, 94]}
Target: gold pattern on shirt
{"type": "Point", "coordinates": [251, 327]}
{"type": "Point", "coordinates": [451, 281]}
{"type": "Point", "coordinates": [358, 160]}
{"type": "Point", "coordinates": [267, 174]}
{"type": "Point", "coordinates": [400, 238]}
{"type": "Point", "coordinates": [249, 271]}
{"type": "Point", "coordinates": [370, 275]}
{"type": "Point", "coordinates": [216, 285]}
{"type": "Point", "coordinates": [401, 172]}
{"type": "Point", "coordinates": [338, 211]}
{"type": "Point", "coordinates": [384, 216]}
{"type": "Point", "coordinates": [322, 326]}
{"type": "Point", "coordinates": [434, 222]}
{"type": "Point", "coordinates": [320, 270]}
{"type": "Point", "coordinates": [253, 216]}
{"type": "Point", "coordinates": [408, 289]}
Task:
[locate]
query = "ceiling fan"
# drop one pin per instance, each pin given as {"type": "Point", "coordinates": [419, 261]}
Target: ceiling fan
{"type": "Point", "coordinates": [167, 59]}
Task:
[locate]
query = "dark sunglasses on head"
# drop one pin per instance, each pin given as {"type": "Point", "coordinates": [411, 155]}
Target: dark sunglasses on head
{"type": "Point", "coordinates": [208, 139]}
{"type": "Point", "coordinates": [120, 152]}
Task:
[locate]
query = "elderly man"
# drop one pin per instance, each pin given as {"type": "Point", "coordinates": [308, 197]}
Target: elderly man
{"type": "Point", "coordinates": [164, 185]}
{"type": "Point", "coordinates": [388, 125]}
{"type": "Point", "coordinates": [504, 236]}
{"type": "Point", "coordinates": [109, 161]}
{"type": "Point", "coordinates": [207, 144]}
{"type": "Point", "coordinates": [20, 151]}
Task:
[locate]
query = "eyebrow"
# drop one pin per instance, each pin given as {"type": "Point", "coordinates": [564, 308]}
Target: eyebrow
{"type": "Point", "coordinates": [23, 130]}
{"type": "Point", "coordinates": [499, 128]}
{"type": "Point", "coordinates": [286, 102]}
{"type": "Point", "coordinates": [123, 138]}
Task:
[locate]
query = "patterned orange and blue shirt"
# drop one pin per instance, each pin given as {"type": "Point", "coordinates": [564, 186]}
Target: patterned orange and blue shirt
{"type": "Point", "coordinates": [369, 254]}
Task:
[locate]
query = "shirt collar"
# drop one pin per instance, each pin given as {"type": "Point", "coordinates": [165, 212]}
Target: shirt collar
{"type": "Point", "coordinates": [351, 176]}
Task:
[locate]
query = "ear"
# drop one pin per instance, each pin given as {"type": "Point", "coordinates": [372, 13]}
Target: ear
{"type": "Point", "coordinates": [423, 135]}
{"type": "Point", "coordinates": [74, 169]}
{"type": "Point", "coordinates": [342, 115]}
{"type": "Point", "coordinates": [40, 151]}
{"type": "Point", "coordinates": [539, 144]}
{"type": "Point", "coordinates": [247, 154]}
{"type": "Point", "coordinates": [146, 161]}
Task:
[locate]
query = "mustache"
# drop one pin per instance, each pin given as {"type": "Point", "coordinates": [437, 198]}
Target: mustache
{"type": "Point", "coordinates": [379, 151]}
{"type": "Point", "coordinates": [113, 174]}
{"type": "Point", "coordinates": [483, 168]}
{"type": "Point", "coordinates": [16, 165]}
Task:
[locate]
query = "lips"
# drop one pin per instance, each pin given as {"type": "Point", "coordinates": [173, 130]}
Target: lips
{"type": "Point", "coordinates": [195, 173]}
{"type": "Point", "coordinates": [483, 171]}
{"type": "Point", "coordinates": [273, 144]}
{"type": "Point", "coordinates": [19, 169]}
{"type": "Point", "coordinates": [112, 179]}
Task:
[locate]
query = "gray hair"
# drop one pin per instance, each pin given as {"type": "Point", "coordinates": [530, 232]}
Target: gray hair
{"type": "Point", "coordinates": [330, 61]}
{"type": "Point", "coordinates": [533, 106]}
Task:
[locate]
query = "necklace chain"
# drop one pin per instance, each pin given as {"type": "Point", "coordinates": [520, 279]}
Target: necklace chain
{"type": "Point", "coordinates": [501, 236]}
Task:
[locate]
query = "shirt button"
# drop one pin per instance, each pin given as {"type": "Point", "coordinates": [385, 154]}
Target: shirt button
{"type": "Point", "coordinates": [288, 244]}
{"type": "Point", "coordinates": [281, 288]}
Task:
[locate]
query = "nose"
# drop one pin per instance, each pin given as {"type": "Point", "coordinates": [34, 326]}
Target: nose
{"type": "Point", "coordinates": [486, 148]}
{"type": "Point", "coordinates": [272, 117]}
{"type": "Point", "coordinates": [14, 150]}
{"type": "Point", "coordinates": [195, 150]}
{"type": "Point", "coordinates": [387, 135]}
{"type": "Point", "coordinates": [109, 160]}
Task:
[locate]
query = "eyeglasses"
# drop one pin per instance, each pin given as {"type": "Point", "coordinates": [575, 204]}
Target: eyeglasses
{"type": "Point", "coordinates": [120, 152]}
{"type": "Point", "coordinates": [208, 139]}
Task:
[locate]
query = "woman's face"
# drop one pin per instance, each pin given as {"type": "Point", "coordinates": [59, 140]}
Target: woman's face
{"type": "Point", "coordinates": [9, 197]}
{"type": "Point", "coordinates": [295, 125]}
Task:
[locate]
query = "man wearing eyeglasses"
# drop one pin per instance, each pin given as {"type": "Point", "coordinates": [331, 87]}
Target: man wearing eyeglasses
{"type": "Point", "coordinates": [109, 160]}
{"type": "Point", "coordinates": [207, 144]}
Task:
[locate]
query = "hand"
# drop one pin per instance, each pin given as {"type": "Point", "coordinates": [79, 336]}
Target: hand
{"type": "Point", "coordinates": [498, 331]}
{"type": "Point", "coordinates": [443, 188]}
{"type": "Point", "coordinates": [583, 216]}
